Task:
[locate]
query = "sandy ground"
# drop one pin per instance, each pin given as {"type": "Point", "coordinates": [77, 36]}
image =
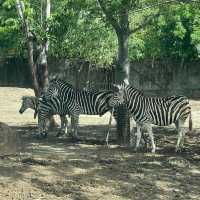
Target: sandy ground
{"type": "Point", "coordinates": [60, 169]}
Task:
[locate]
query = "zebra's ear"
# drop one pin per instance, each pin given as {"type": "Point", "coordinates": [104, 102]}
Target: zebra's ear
{"type": "Point", "coordinates": [116, 87]}
{"type": "Point", "coordinates": [126, 82]}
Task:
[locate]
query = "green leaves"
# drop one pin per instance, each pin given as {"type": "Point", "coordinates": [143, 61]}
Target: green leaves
{"type": "Point", "coordinates": [9, 28]}
{"type": "Point", "coordinates": [172, 33]}
{"type": "Point", "coordinates": [81, 33]}
{"type": "Point", "coordinates": [78, 29]}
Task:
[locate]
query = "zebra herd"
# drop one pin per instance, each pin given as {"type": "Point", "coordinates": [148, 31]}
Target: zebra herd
{"type": "Point", "coordinates": [62, 99]}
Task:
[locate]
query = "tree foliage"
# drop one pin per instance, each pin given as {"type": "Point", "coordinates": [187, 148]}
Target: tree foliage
{"type": "Point", "coordinates": [173, 34]}
{"type": "Point", "coordinates": [79, 32]}
{"type": "Point", "coordinates": [79, 29]}
{"type": "Point", "coordinates": [10, 37]}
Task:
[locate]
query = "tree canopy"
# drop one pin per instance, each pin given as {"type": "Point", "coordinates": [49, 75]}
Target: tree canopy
{"type": "Point", "coordinates": [79, 29]}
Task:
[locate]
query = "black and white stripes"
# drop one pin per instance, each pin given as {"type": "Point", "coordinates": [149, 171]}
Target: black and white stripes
{"type": "Point", "coordinates": [32, 102]}
{"type": "Point", "coordinates": [64, 99]}
{"type": "Point", "coordinates": [161, 111]}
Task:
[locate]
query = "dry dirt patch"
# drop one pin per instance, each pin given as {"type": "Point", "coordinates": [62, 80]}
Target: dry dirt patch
{"type": "Point", "coordinates": [59, 169]}
{"type": "Point", "coordinates": [9, 141]}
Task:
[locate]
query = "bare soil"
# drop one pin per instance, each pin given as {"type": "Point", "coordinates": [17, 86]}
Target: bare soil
{"type": "Point", "coordinates": [61, 169]}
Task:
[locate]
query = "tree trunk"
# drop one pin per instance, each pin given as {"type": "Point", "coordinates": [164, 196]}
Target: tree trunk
{"type": "Point", "coordinates": [29, 39]}
{"type": "Point", "coordinates": [38, 66]}
{"type": "Point", "coordinates": [33, 68]}
{"type": "Point", "coordinates": [77, 74]}
{"type": "Point", "coordinates": [42, 65]}
{"type": "Point", "coordinates": [42, 68]}
{"type": "Point", "coordinates": [122, 75]}
{"type": "Point", "coordinates": [88, 77]}
{"type": "Point", "coordinates": [123, 64]}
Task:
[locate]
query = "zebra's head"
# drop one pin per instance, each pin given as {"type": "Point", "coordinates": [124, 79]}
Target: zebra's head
{"type": "Point", "coordinates": [52, 90]}
{"type": "Point", "coordinates": [118, 96]}
{"type": "Point", "coordinates": [27, 102]}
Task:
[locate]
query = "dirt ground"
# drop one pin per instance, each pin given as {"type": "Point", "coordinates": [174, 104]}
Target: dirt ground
{"type": "Point", "coordinates": [60, 169]}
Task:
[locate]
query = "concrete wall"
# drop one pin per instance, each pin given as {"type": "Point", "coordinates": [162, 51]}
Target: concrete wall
{"type": "Point", "coordinates": [157, 78]}
{"type": "Point", "coordinates": [172, 78]}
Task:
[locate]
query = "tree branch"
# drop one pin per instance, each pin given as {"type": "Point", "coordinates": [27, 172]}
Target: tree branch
{"type": "Point", "coordinates": [109, 16]}
{"type": "Point", "coordinates": [29, 39]}
{"type": "Point", "coordinates": [147, 20]}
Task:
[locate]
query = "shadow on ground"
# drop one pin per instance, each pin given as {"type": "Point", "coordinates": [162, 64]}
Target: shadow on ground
{"type": "Point", "coordinates": [57, 168]}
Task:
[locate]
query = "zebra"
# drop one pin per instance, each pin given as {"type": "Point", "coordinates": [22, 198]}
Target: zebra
{"type": "Point", "coordinates": [29, 102]}
{"type": "Point", "coordinates": [160, 111]}
{"type": "Point", "coordinates": [32, 103]}
{"type": "Point", "coordinates": [62, 98]}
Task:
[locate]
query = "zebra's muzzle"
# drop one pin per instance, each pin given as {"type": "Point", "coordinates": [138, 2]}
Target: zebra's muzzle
{"type": "Point", "coordinates": [21, 111]}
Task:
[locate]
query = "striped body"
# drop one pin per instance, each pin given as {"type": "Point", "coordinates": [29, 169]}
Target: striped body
{"type": "Point", "coordinates": [32, 102]}
{"type": "Point", "coordinates": [160, 111]}
{"type": "Point", "coordinates": [65, 99]}
{"type": "Point", "coordinates": [81, 101]}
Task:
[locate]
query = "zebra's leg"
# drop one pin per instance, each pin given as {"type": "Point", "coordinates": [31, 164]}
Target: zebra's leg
{"type": "Point", "coordinates": [149, 129]}
{"type": "Point", "coordinates": [45, 127]}
{"type": "Point", "coordinates": [138, 135]}
{"type": "Point", "coordinates": [183, 138]}
{"type": "Point", "coordinates": [64, 123]}
{"type": "Point", "coordinates": [42, 126]}
{"type": "Point", "coordinates": [75, 121]}
{"type": "Point", "coordinates": [181, 134]}
{"type": "Point", "coordinates": [132, 135]}
{"type": "Point", "coordinates": [69, 123]}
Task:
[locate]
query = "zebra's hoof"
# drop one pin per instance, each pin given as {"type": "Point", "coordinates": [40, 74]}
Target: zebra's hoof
{"type": "Point", "coordinates": [37, 136]}
{"type": "Point", "coordinates": [44, 135]}
{"type": "Point", "coordinates": [153, 150]}
{"type": "Point", "coordinates": [135, 150]}
{"type": "Point", "coordinates": [75, 139]}
{"type": "Point", "coordinates": [178, 150]}
{"type": "Point", "coordinates": [60, 134]}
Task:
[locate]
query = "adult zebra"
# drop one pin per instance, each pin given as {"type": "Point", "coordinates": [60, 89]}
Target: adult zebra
{"type": "Point", "coordinates": [161, 111]}
{"type": "Point", "coordinates": [62, 98]}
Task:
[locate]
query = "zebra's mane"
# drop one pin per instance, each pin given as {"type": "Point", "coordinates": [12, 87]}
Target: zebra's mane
{"type": "Point", "coordinates": [60, 81]}
{"type": "Point", "coordinates": [136, 90]}
{"type": "Point", "coordinates": [88, 91]}
{"type": "Point", "coordinates": [165, 99]}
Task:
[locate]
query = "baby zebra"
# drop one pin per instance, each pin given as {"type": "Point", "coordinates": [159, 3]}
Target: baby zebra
{"type": "Point", "coordinates": [160, 111]}
{"type": "Point", "coordinates": [32, 103]}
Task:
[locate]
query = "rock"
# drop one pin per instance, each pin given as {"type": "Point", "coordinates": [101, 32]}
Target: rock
{"type": "Point", "coordinates": [8, 140]}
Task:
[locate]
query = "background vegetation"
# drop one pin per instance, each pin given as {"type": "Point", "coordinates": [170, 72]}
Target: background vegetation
{"type": "Point", "coordinates": [79, 29]}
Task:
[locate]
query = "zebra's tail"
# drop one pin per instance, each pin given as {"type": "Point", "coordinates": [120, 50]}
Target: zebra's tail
{"type": "Point", "coordinates": [190, 121]}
